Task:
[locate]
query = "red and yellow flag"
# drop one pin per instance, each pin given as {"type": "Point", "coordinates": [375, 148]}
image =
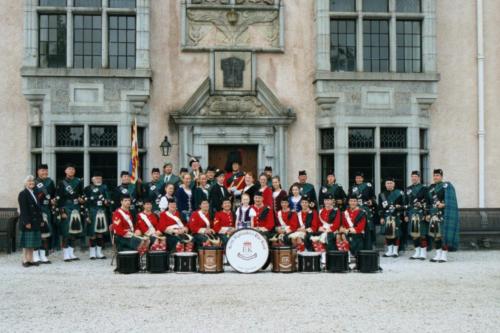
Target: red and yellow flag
{"type": "Point", "coordinates": [134, 152]}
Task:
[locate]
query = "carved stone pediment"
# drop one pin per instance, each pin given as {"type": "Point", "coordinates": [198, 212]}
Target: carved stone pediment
{"type": "Point", "coordinates": [232, 27]}
{"type": "Point", "coordinates": [261, 108]}
{"type": "Point", "coordinates": [236, 2]}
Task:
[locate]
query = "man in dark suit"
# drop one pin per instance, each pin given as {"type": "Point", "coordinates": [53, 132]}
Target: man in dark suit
{"type": "Point", "coordinates": [30, 220]}
{"type": "Point", "coordinates": [218, 193]}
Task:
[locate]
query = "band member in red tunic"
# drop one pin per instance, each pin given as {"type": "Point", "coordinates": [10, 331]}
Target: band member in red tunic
{"type": "Point", "coordinates": [123, 227]}
{"type": "Point", "coordinates": [287, 222]}
{"type": "Point", "coordinates": [224, 222]}
{"type": "Point", "coordinates": [235, 178]}
{"type": "Point", "coordinates": [354, 223]}
{"type": "Point", "coordinates": [330, 222]}
{"type": "Point", "coordinates": [147, 226]}
{"type": "Point", "coordinates": [264, 218]}
{"type": "Point", "coordinates": [201, 227]}
{"type": "Point", "coordinates": [177, 233]}
{"type": "Point", "coordinates": [308, 225]}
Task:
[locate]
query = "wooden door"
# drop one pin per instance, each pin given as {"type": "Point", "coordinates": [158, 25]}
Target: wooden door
{"type": "Point", "coordinates": [217, 156]}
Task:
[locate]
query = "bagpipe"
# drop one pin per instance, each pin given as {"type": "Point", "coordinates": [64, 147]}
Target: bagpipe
{"type": "Point", "coordinates": [212, 240]}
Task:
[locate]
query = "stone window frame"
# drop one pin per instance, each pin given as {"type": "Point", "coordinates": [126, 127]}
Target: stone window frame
{"type": "Point", "coordinates": [428, 33]}
{"type": "Point", "coordinates": [37, 153]}
{"type": "Point", "coordinates": [412, 149]}
{"type": "Point", "coordinates": [32, 11]}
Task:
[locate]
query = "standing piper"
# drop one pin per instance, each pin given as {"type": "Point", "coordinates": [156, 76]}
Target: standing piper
{"type": "Point", "coordinates": [334, 189]}
{"type": "Point", "coordinates": [367, 201]}
{"type": "Point", "coordinates": [416, 199]}
{"type": "Point", "coordinates": [98, 199]}
{"type": "Point", "coordinates": [70, 199]}
{"type": "Point", "coordinates": [45, 191]}
{"type": "Point", "coordinates": [153, 190]}
{"type": "Point", "coordinates": [126, 188]}
{"type": "Point", "coordinates": [218, 193]}
{"type": "Point", "coordinates": [444, 219]}
{"type": "Point", "coordinates": [307, 189]}
{"type": "Point", "coordinates": [390, 203]}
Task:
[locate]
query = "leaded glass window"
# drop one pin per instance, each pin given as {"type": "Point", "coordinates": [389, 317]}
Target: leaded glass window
{"type": "Point", "coordinates": [103, 136]}
{"type": "Point", "coordinates": [122, 41]}
{"type": "Point", "coordinates": [375, 5]}
{"type": "Point", "coordinates": [343, 45]}
{"type": "Point", "coordinates": [361, 138]}
{"type": "Point", "coordinates": [52, 40]}
{"type": "Point", "coordinates": [343, 5]}
{"type": "Point", "coordinates": [408, 6]}
{"type": "Point", "coordinates": [36, 137]}
{"type": "Point", "coordinates": [69, 136]}
{"type": "Point", "coordinates": [122, 4]}
{"type": "Point", "coordinates": [376, 45]}
{"type": "Point", "coordinates": [393, 166]}
{"type": "Point", "coordinates": [87, 3]}
{"type": "Point", "coordinates": [87, 41]}
{"type": "Point", "coordinates": [392, 137]}
{"type": "Point", "coordinates": [327, 138]}
{"type": "Point", "coordinates": [53, 3]}
{"type": "Point", "coordinates": [327, 165]}
{"type": "Point", "coordinates": [409, 48]}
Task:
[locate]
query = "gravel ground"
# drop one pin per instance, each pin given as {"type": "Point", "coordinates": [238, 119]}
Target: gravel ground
{"type": "Point", "coordinates": [462, 295]}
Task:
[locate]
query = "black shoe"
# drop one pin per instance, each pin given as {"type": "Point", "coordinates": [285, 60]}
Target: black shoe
{"type": "Point", "coordinates": [75, 259]}
{"type": "Point", "coordinates": [92, 258]}
{"type": "Point", "coordinates": [101, 258]}
{"type": "Point", "coordinates": [68, 260]}
{"type": "Point", "coordinates": [46, 262]}
{"type": "Point", "coordinates": [26, 264]}
{"type": "Point", "coordinates": [34, 264]}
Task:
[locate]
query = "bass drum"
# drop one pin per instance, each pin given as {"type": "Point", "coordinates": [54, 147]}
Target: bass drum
{"type": "Point", "coordinates": [247, 251]}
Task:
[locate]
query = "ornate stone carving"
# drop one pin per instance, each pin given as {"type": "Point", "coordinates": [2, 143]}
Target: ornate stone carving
{"type": "Point", "coordinates": [218, 28]}
{"type": "Point", "coordinates": [255, 2]}
{"type": "Point", "coordinates": [233, 106]}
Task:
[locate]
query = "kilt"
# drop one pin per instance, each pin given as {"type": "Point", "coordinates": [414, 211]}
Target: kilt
{"type": "Point", "coordinates": [124, 243]}
{"type": "Point", "coordinates": [91, 226]}
{"type": "Point", "coordinates": [30, 239]}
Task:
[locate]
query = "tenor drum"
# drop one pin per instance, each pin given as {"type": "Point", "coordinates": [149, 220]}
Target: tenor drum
{"type": "Point", "coordinates": [309, 262]}
{"type": "Point", "coordinates": [337, 261]}
{"type": "Point", "coordinates": [210, 259]}
{"type": "Point", "coordinates": [283, 258]}
{"type": "Point", "coordinates": [184, 262]}
{"type": "Point", "coordinates": [157, 262]}
{"type": "Point", "coordinates": [247, 251]}
{"type": "Point", "coordinates": [127, 262]}
{"type": "Point", "coordinates": [368, 261]}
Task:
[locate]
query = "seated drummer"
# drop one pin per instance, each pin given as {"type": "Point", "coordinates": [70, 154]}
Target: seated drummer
{"type": "Point", "coordinates": [287, 222]}
{"type": "Point", "coordinates": [354, 223]}
{"type": "Point", "coordinates": [329, 218]}
{"type": "Point", "coordinates": [171, 224]}
{"type": "Point", "coordinates": [224, 221]}
{"type": "Point", "coordinates": [147, 225]}
{"type": "Point", "coordinates": [123, 227]}
{"type": "Point", "coordinates": [308, 225]}
{"type": "Point", "coordinates": [264, 217]}
{"type": "Point", "coordinates": [201, 227]}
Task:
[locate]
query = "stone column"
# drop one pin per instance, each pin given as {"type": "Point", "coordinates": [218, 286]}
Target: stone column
{"type": "Point", "coordinates": [342, 154]}
{"type": "Point", "coordinates": [69, 35]}
{"type": "Point", "coordinates": [359, 37]}
{"type": "Point", "coordinates": [30, 34]}
{"type": "Point", "coordinates": [322, 35]}
{"type": "Point", "coordinates": [143, 32]}
{"type": "Point", "coordinates": [392, 38]}
{"type": "Point", "coordinates": [86, 157]}
{"type": "Point", "coordinates": [377, 169]}
{"type": "Point", "coordinates": [429, 53]}
{"type": "Point", "coordinates": [104, 36]}
{"type": "Point", "coordinates": [413, 158]}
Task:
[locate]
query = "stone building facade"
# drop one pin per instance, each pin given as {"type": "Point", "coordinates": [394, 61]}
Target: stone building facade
{"type": "Point", "coordinates": [381, 86]}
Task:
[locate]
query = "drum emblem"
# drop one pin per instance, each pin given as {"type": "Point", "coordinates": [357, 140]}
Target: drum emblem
{"type": "Point", "coordinates": [246, 252]}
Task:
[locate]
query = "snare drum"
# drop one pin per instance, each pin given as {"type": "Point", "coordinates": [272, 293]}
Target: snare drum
{"type": "Point", "coordinates": [210, 259]}
{"type": "Point", "coordinates": [337, 261]}
{"type": "Point", "coordinates": [157, 262]}
{"type": "Point", "coordinates": [283, 258]}
{"type": "Point", "coordinates": [184, 262]}
{"type": "Point", "coordinates": [127, 262]}
{"type": "Point", "coordinates": [368, 261]}
{"type": "Point", "coordinates": [247, 251]}
{"type": "Point", "coordinates": [309, 262]}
